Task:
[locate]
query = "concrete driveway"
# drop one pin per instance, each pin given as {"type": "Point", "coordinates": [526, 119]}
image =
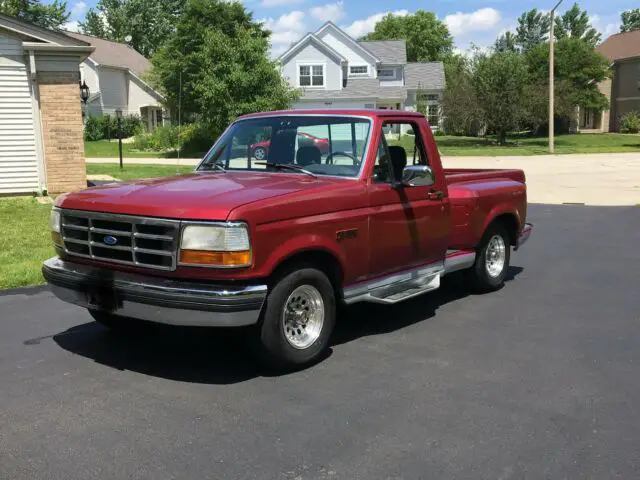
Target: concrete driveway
{"type": "Point", "coordinates": [538, 380]}
{"type": "Point", "coordinates": [590, 179]}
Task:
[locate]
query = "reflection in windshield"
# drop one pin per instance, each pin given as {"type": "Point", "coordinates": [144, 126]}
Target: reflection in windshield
{"type": "Point", "coordinates": [322, 145]}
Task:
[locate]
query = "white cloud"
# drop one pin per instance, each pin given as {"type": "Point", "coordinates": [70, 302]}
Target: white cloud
{"type": "Point", "coordinates": [480, 20]}
{"type": "Point", "coordinates": [79, 9]}
{"type": "Point", "coordinates": [606, 26]}
{"type": "Point", "coordinates": [333, 12]}
{"type": "Point", "coordinates": [362, 27]}
{"type": "Point", "coordinates": [285, 30]}
{"type": "Point", "coordinates": [71, 26]}
{"type": "Point", "coordinates": [279, 3]}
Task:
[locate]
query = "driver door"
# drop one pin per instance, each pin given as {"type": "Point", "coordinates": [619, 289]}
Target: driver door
{"type": "Point", "coordinates": [408, 225]}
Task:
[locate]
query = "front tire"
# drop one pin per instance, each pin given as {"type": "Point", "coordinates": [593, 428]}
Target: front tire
{"type": "Point", "coordinates": [492, 260]}
{"type": "Point", "coordinates": [297, 320]}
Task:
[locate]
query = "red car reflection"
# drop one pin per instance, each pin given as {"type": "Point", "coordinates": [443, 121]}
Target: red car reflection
{"type": "Point", "coordinates": [260, 150]}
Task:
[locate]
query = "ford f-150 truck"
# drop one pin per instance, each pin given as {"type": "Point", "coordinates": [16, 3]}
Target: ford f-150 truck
{"type": "Point", "coordinates": [278, 243]}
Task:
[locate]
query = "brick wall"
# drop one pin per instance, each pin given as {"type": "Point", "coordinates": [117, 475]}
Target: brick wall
{"type": "Point", "coordinates": [62, 131]}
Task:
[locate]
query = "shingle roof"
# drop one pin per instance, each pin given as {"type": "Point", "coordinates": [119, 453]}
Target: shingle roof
{"type": "Point", "coordinates": [114, 54]}
{"type": "Point", "coordinates": [359, 88]}
{"type": "Point", "coordinates": [388, 51]}
{"type": "Point", "coordinates": [424, 75]}
{"type": "Point", "coordinates": [621, 45]}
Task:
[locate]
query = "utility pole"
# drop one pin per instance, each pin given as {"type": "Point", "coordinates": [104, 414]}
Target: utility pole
{"type": "Point", "coordinates": [551, 78]}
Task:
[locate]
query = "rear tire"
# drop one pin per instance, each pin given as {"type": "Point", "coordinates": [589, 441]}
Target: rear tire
{"type": "Point", "coordinates": [297, 319]}
{"type": "Point", "coordinates": [492, 260]}
{"type": "Point", "coordinates": [108, 320]}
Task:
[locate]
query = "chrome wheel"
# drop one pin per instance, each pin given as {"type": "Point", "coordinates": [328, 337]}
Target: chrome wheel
{"type": "Point", "coordinates": [259, 153]}
{"type": "Point", "coordinates": [303, 317]}
{"type": "Point", "coordinates": [495, 256]}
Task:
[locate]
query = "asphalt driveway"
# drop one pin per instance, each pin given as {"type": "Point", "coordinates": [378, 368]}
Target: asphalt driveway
{"type": "Point", "coordinates": [539, 380]}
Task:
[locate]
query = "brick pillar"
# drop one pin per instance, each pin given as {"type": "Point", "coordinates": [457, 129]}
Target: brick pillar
{"type": "Point", "coordinates": [62, 131]}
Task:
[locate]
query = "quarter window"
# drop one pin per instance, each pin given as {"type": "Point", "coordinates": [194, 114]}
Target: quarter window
{"type": "Point", "coordinates": [311, 75]}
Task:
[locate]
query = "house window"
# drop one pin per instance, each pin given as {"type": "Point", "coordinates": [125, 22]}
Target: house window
{"type": "Point", "coordinates": [358, 70]}
{"type": "Point", "coordinates": [428, 97]}
{"type": "Point", "coordinates": [433, 115]}
{"type": "Point", "coordinates": [387, 73]}
{"type": "Point", "coordinates": [311, 76]}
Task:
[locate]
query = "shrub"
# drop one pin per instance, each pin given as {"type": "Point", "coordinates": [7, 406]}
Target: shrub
{"type": "Point", "coordinates": [439, 133]}
{"type": "Point", "coordinates": [106, 127]}
{"type": "Point", "coordinates": [630, 122]}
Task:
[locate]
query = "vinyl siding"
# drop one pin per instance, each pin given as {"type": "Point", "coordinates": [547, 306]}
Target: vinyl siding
{"type": "Point", "coordinates": [139, 96]}
{"type": "Point", "coordinates": [113, 88]}
{"type": "Point", "coordinates": [353, 57]}
{"type": "Point", "coordinates": [311, 54]}
{"type": "Point", "coordinates": [10, 46]}
{"type": "Point", "coordinates": [18, 158]}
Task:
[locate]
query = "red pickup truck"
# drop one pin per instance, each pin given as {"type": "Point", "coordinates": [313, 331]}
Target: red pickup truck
{"type": "Point", "coordinates": [278, 243]}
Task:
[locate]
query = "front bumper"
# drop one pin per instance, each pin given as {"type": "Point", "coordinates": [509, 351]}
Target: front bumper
{"type": "Point", "coordinates": [524, 235]}
{"type": "Point", "coordinates": [159, 300]}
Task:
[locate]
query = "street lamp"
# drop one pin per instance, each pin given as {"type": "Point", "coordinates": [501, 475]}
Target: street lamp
{"type": "Point", "coordinates": [551, 75]}
{"type": "Point", "coordinates": [119, 117]}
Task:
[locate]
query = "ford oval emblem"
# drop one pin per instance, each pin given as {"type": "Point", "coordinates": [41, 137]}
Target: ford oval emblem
{"type": "Point", "coordinates": [109, 240]}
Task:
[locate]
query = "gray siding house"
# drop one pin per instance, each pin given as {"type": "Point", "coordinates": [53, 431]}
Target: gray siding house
{"type": "Point", "coordinates": [334, 70]}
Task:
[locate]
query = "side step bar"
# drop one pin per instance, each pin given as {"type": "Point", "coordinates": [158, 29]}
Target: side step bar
{"type": "Point", "coordinates": [408, 284]}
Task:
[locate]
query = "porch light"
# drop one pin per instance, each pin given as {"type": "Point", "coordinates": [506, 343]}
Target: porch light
{"type": "Point", "coordinates": [84, 92]}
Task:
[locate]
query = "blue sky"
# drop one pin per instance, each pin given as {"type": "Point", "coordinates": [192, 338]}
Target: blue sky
{"type": "Point", "coordinates": [469, 21]}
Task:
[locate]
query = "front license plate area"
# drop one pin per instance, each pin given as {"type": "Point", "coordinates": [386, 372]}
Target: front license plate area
{"type": "Point", "coordinates": [102, 299]}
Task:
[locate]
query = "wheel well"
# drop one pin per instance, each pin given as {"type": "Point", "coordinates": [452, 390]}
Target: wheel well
{"type": "Point", "coordinates": [319, 259]}
{"type": "Point", "coordinates": [510, 222]}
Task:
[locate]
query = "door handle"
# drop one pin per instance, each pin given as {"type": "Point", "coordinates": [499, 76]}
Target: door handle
{"type": "Point", "coordinates": [435, 195]}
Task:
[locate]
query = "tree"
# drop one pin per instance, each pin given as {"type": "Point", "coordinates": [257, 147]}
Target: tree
{"type": "Point", "coordinates": [220, 56]}
{"type": "Point", "coordinates": [577, 64]}
{"type": "Point", "coordinates": [463, 115]}
{"type": "Point", "coordinates": [500, 82]}
{"type": "Point", "coordinates": [574, 23]}
{"type": "Point", "coordinates": [630, 20]}
{"type": "Point", "coordinates": [533, 29]}
{"type": "Point", "coordinates": [506, 43]}
{"type": "Point", "coordinates": [428, 39]}
{"type": "Point", "coordinates": [51, 15]}
{"type": "Point", "coordinates": [147, 22]}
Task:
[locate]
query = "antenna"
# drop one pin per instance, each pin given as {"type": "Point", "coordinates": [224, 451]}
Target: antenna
{"type": "Point", "coordinates": [179, 122]}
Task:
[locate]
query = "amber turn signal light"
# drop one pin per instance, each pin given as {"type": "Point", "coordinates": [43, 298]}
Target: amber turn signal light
{"type": "Point", "coordinates": [216, 259]}
{"type": "Point", "coordinates": [57, 239]}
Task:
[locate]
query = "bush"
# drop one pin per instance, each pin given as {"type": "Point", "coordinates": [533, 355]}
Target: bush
{"type": "Point", "coordinates": [630, 122]}
{"type": "Point", "coordinates": [439, 133]}
{"type": "Point", "coordinates": [106, 127]}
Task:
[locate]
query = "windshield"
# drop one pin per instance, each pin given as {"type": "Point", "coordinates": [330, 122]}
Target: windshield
{"type": "Point", "coordinates": [322, 145]}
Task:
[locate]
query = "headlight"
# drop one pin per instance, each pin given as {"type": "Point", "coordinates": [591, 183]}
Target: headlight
{"type": "Point", "coordinates": [55, 227]}
{"type": "Point", "coordinates": [223, 245]}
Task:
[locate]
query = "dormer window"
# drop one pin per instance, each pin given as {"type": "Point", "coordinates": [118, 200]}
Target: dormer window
{"type": "Point", "coordinates": [359, 70]}
{"type": "Point", "coordinates": [310, 75]}
{"type": "Point", "coordinates": [387, 73]}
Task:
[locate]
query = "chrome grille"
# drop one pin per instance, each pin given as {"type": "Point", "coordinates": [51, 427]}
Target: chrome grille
{"type": "Point", "coordinates": [126, 239]}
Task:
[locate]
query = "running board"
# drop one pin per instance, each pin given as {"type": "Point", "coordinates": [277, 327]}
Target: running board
{"type": "Point", "coordinates": [405, 285]}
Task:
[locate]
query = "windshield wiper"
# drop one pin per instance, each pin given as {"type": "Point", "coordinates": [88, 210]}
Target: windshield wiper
{"type": "Point", "coordinates": [287, 166]}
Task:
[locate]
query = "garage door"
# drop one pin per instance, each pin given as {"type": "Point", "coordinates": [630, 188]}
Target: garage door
{"type": "Point", "coordinates": [18, 161]}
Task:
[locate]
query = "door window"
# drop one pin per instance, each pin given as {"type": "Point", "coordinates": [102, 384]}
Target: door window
{"type": "Point", "coordinates": [400, 145]}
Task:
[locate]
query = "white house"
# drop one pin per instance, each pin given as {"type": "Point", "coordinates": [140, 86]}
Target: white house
{"type": "Point", "coordinates": [114, 74]}
{"type": "Point", "coordinates": [334, 70]}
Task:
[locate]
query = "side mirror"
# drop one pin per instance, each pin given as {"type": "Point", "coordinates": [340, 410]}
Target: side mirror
{"type": "Point", "coordinates": [417, 176]}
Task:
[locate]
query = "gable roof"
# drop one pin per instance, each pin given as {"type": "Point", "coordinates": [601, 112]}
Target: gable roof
{"type": "Point", "coordinates": [346, 37]}
{"type": "Point", "coordinates": [621, 45]}
{"type": "Point", "coordinates": [388, 51]}
{"type": "Point", "coordinates": [35, 32]}
{"type": "Point", "coordinates": [428, 75]}
{"type": "Point", "coordinates": [114, 54]}
{"type": "Point", "coordinates": [307, 39]}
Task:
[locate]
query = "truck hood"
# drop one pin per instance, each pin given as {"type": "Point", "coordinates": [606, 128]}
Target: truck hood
{"type": "Point", "coordinates": [196, 196]}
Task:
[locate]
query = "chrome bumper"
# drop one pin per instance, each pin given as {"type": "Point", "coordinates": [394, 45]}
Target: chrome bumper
{"type": "Point", "coordinates": [159, 300]}
{"type": "Point", "coordinates": [524, 235]}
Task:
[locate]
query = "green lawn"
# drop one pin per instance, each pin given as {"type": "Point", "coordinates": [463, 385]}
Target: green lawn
{"type": "Point", "coordinates": [579, 143]}
{"type": "Point", "coordinates": [25, 241]}
{"type": "Point", "coordinates": [130, 172]}
{"type": "Point", "coordinates": [104, 148]}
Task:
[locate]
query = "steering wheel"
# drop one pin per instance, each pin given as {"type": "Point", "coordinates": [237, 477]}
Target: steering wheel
{"type": "Point", "coordinates": [329, 159]}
